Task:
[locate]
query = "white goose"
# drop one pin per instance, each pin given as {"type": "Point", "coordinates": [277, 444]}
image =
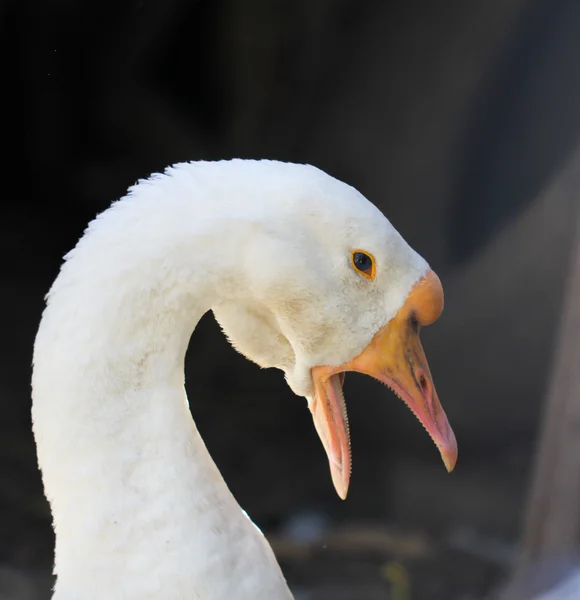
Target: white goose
{"type": "Point", "coordinates": [303, 274]}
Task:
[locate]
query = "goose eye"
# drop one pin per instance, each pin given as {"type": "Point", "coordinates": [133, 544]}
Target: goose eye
{"type": "Point", "coordinates": [364, 263]}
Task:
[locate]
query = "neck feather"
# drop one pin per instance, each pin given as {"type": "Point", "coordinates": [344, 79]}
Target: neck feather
{"type": "Point", "coordinates": [140, 509]}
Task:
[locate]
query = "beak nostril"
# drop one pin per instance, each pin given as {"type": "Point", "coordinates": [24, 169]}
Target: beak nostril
{"type": "Point", "coordinates": [423, 382]}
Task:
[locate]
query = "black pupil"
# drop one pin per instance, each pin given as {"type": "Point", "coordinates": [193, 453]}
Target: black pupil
{"type": "Point", "coordinates": [362, 261]}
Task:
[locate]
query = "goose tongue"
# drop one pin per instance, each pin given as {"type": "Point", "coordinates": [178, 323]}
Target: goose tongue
{"type": "Point", "coordinates": [395, 357]}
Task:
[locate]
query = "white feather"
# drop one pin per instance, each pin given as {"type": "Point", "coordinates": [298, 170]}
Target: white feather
{"type": "Point", "coordinates": [140, 510]}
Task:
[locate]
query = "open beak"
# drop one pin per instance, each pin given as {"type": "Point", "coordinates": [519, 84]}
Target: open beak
{"type": "Point", "coordinates": [396, 358]}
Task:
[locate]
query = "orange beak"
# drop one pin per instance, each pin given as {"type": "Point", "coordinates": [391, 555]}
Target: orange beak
{"type": "Point", "coordinates": [396, 358]}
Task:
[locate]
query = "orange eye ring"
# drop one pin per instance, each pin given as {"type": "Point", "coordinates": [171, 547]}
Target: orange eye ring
{"type": "Point", "coordinates": [364, 263]}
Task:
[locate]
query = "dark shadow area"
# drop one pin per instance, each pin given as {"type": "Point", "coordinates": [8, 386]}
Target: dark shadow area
{"type": "Point", "coordinates": [507, 162]}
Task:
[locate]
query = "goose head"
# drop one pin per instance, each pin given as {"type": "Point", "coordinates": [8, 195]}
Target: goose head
{"type": "Point", "coordinates": [329, 286]}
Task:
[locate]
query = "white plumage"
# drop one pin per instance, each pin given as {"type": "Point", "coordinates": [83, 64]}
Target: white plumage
{"type": "Point", "coordinates": [140, 510]}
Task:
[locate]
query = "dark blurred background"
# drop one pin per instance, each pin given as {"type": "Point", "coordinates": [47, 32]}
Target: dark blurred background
{"type": "Point", "coordinates": [459, 119]}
